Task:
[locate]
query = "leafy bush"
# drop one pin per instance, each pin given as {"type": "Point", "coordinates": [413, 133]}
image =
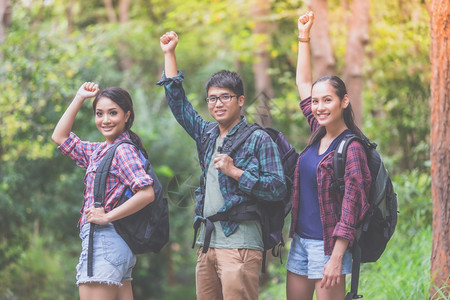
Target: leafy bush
{"type": "Point", "coordinates": [41, 272]}
{"type": "Point", "coordinates": [414, 200]}
{"type": "Point", "coordinates": [43, 64]}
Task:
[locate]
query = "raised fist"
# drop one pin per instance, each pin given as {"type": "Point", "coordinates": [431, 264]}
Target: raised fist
{"type": "Point", "coordinates": [305, 22]}
{"type": "Point", "coordinates": [168, 41]}
{"type": "Point", "coordinates": [88, 90]}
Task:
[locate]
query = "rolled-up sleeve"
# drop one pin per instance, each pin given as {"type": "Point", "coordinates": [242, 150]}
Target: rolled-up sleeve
{"type": "Point", "coordinates": [305, 106]}
{"type": "Point", "coordinates": [181, 108]}
{"type": "Point", "coordinates": [78, 150]}
{"type": "Point", "coordinates": [129, 168]}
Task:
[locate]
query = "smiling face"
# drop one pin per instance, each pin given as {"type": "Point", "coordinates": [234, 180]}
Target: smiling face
{"type": "Point", "coordinates": [110, 119]}
{"type": "Point", "coordinates": [326, 105]}
{"type": "Point", "coordinates": [226, 114]}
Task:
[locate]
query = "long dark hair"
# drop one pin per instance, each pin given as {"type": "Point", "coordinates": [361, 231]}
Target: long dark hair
{"type": "Point", "coordinates": [349, 117]}
{"type": "Point", "coordinates": [123, 99]}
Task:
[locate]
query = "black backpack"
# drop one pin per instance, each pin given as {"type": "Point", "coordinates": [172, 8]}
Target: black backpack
{"type": "Point", "coordinates": [379, 223]}
{"type": "Point", "coordinates": [270, 214]}
{"type": "Point", "coordinates": [147, 230]}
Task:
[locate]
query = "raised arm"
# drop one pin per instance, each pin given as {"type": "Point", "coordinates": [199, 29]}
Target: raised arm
{"type": "Point", "coordinates": [176, 98]}
{"type": "Point", "coordinates": [304, 73]}
{"type": "Point", "coordinates": [168, 44]}
{"type": "Point", "coordinates": [64, 126]}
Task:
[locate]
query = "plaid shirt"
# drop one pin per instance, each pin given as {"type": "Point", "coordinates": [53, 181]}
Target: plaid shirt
{"type": "Point", "coordinates": [357, 184]}
{"type": "Point", "coordinates": [259, 158]}
{"type": "Point", "coordinates": [126, 169]}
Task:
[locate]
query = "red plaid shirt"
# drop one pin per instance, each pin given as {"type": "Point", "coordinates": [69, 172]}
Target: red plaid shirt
{"type": "Point", "coordinates": [126, 169]}
{"type": "Point", "coordinates": [357, 184]}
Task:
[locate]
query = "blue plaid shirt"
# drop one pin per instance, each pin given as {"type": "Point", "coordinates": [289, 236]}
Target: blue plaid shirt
{"type": "Point", "coordinates": [259, 158]}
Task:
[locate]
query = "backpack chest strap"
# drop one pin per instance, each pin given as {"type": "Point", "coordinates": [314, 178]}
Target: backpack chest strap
{"type": "Point", "coordinates": [239, 213]}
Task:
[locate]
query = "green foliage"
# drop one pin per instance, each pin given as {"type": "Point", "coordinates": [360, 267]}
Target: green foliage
{"type": "Point", "coordinates": [414, 199]}
{"type": "Point", "coordinates": [40, 75]}
{"type": "Point", "coordinates": [39, 273]}
{"type": "Point", "coordinates": [403, 270]}
{"type": "Point", "coordinates": [397, 112]}
{"type": "Point", "coordinates": [44, 61]}
{"type": "Point", "coordinates": [442, 293]}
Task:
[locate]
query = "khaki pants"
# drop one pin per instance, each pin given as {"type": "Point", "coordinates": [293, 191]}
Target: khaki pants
{"type": "Point", "coordinates": [229, 274]}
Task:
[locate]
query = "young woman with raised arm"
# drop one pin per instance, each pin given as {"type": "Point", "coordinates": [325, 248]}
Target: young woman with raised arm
{"type": "Point", "coordinates": [323, 229]}
{"type": "Point", "coordinates": [113, 260]}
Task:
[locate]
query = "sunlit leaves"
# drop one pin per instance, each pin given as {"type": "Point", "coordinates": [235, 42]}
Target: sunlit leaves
{"type": "Point", "coordinates": [43, 64]}
{"type": "Point", "coordinates": [397, 94]}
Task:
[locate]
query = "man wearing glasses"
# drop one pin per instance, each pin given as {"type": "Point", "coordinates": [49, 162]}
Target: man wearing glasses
{"type": "Point", "coordinates": [229, 269]}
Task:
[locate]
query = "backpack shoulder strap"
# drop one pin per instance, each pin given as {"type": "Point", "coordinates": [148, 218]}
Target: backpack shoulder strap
{"type": "Point", "coordinates": [201, 148]}
{"type": "Point", "coordinates": [102, 174]}
{"type": "Point", "coordinates": [239, 138]}
{"type": "Point", "coordinates": [203, 144]}
{"type": "Point", "coordinates": [339, 159]}
{"type": "Point", "coordinates": [99, 197]}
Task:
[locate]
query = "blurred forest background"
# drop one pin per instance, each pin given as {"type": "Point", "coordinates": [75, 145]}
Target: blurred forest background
{"type": "Point", "coordinates": [49, 48]}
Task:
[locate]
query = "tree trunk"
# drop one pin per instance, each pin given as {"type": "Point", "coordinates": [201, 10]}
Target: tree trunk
{"type": "Point", "coordinates": [5, 18]}
{"type": "Point", "coordinates": [124, 11]}
{"type": "Point", "coordinates": [112, 18]}
{"type": "Point", "coordinates": [440, 144]}
{"type": "Point", "coordinates": [345, 5]}
{"type": "Point", "coordinates": [263, 84]}
{"type": "Point", "coordinates": [69, 14]}
{"type": "Point", "coordinates": [323, 61]}
{"type": "Point", "coordinates": [260, 10]}
{"type": "Point", "coordinates": [356, 41]}
{"type": "Point", "coordinates": [124, 14]}
{"type": "Point", "coordinates": [123, 17]}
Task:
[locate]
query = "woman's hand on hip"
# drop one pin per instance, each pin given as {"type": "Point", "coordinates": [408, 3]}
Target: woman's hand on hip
{"type": "Point", "coordinates": [97, 215]}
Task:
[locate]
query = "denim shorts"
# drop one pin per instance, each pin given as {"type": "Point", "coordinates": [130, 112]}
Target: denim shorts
{"type": "Point", "coordinates": [113, 260]}
{"type": "Point", "coordinates": [306, 257]}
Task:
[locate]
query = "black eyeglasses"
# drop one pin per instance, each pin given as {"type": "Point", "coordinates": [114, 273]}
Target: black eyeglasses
{"type": "Point", "coordinates": [225, 98]}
